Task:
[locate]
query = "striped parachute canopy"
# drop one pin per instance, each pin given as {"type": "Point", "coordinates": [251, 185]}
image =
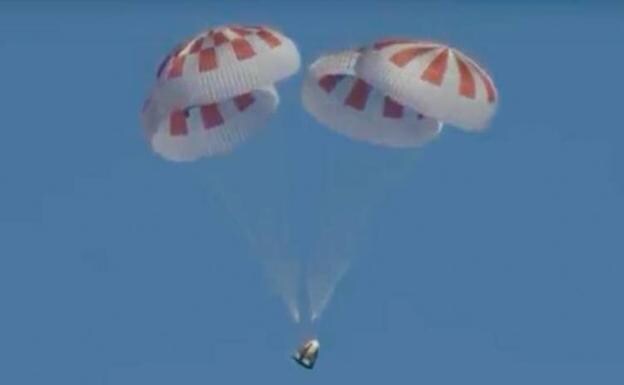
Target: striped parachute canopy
{"type": "Point", "coordinates": [437, 80]}
{"type": "Point", "coordinates": [215, 90]}
{"type": "Point", "coordinates": [339, 98]}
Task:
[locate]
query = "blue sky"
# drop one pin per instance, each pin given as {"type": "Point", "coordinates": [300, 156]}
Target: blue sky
{"type": "Point", "coordinates": [497, 259]}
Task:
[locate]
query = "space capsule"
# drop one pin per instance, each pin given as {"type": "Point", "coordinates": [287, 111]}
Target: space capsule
{"type": "Point", "coordinates": [307, 354]}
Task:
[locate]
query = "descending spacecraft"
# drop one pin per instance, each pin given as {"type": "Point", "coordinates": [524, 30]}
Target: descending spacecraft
{"type": "Point", "coordinates": [307, 354]}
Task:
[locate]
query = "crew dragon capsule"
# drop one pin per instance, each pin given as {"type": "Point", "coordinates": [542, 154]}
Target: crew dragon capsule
{"type": "Point", "coordinates": [307, 354]}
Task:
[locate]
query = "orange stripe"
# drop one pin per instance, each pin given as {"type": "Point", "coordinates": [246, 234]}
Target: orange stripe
{"type": "Point", "coordinates": [219, 38]}
{"type": "Point", "coordinates": [489, 87]}
{"type": "Point", "coordinates": [392, 109]}
{"type": "Point", "coordinates": [211, 117]}
{"type": "Point", "coordinates": [177, 67]}
{"type": "Point", "coordinates": [269, 38]}
{"type": "Point", "coordinates": [244, 101]}
{"type": "Point", "coordinates": [359, 95]}
{"type": "Point", "coordinates": [434, 74]}
{"type": "Point", "coordinates": [403, 57]}
{"type": "Point", "coordinates": [177, 123]}
{"type": "Point", "coordinates": [196, 46]}
{"type": "Point", "coordinates": [242, 49]}
{"type": "Point", "coordinates": [207, 59]}
{"type": "Point", "coordinates": [466, 80]}
{"type": "Point", "coordinates": [329, 82]}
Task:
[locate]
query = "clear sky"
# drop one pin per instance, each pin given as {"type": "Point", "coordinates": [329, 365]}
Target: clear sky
{"type": "Point", "coordinates": [497, 259]}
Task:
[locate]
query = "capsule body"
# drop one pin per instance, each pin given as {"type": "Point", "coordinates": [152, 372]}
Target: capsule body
{"type": "Point", "coordinates": [307, 354]}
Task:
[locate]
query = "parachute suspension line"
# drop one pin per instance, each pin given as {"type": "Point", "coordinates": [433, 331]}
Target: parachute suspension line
{"type": "Point", "coordinates": [345, 212]}
{"type": "Point", "coordinates": [267, 239]}
{"type": "Point", "coordinates": [288, 267]}
{"type": "Point", "coordinates": [353, 184]}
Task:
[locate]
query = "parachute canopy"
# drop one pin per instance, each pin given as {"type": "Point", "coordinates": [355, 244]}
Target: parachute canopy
{"type": "Point", "coordinates": [216, 89]}
{"type": "Point", "coordinates": [435, 79]}
{"type": "Point", "coordinates": [187, 134]}
{"type": "Point", "coordinates": [338, 98]}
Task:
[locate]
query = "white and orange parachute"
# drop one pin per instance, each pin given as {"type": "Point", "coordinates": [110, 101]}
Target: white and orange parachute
{"type": "Point", "coordinates": [341, 100]}
{"type": "Point", "coordinates": [216, 89]}
{"type": "Point", "coordinates": [435, 79]}
{"type": "Point", "coordinates": [394, 93]}
{"type": "Point", "coordinates": [399, 92]}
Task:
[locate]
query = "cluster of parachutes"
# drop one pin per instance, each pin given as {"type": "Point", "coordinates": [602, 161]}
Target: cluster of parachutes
{"type": "Point", "coordinates": [216, 89]}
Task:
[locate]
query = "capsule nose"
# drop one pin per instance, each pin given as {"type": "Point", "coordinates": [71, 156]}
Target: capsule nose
{"type": "Point", "coordinates": [314, 344]}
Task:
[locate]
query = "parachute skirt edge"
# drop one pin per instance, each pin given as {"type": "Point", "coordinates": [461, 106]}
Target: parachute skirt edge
{"type": "Point", "coordinates": [236, 128]}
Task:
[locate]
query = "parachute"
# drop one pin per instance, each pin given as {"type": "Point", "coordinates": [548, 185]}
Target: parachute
{"type": "Point", "coordinates": [395, 93]}
{"type": "Point", "coordinates": [187, 134]}
{"type": "Point", "coordinates": [435, 79]}
{"type": "Point", "coordinates": [339, 99]}
{"type": "Point", "coordinates": [212, 93]}
{"type": "Point", "coordinates": [215, 90]}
